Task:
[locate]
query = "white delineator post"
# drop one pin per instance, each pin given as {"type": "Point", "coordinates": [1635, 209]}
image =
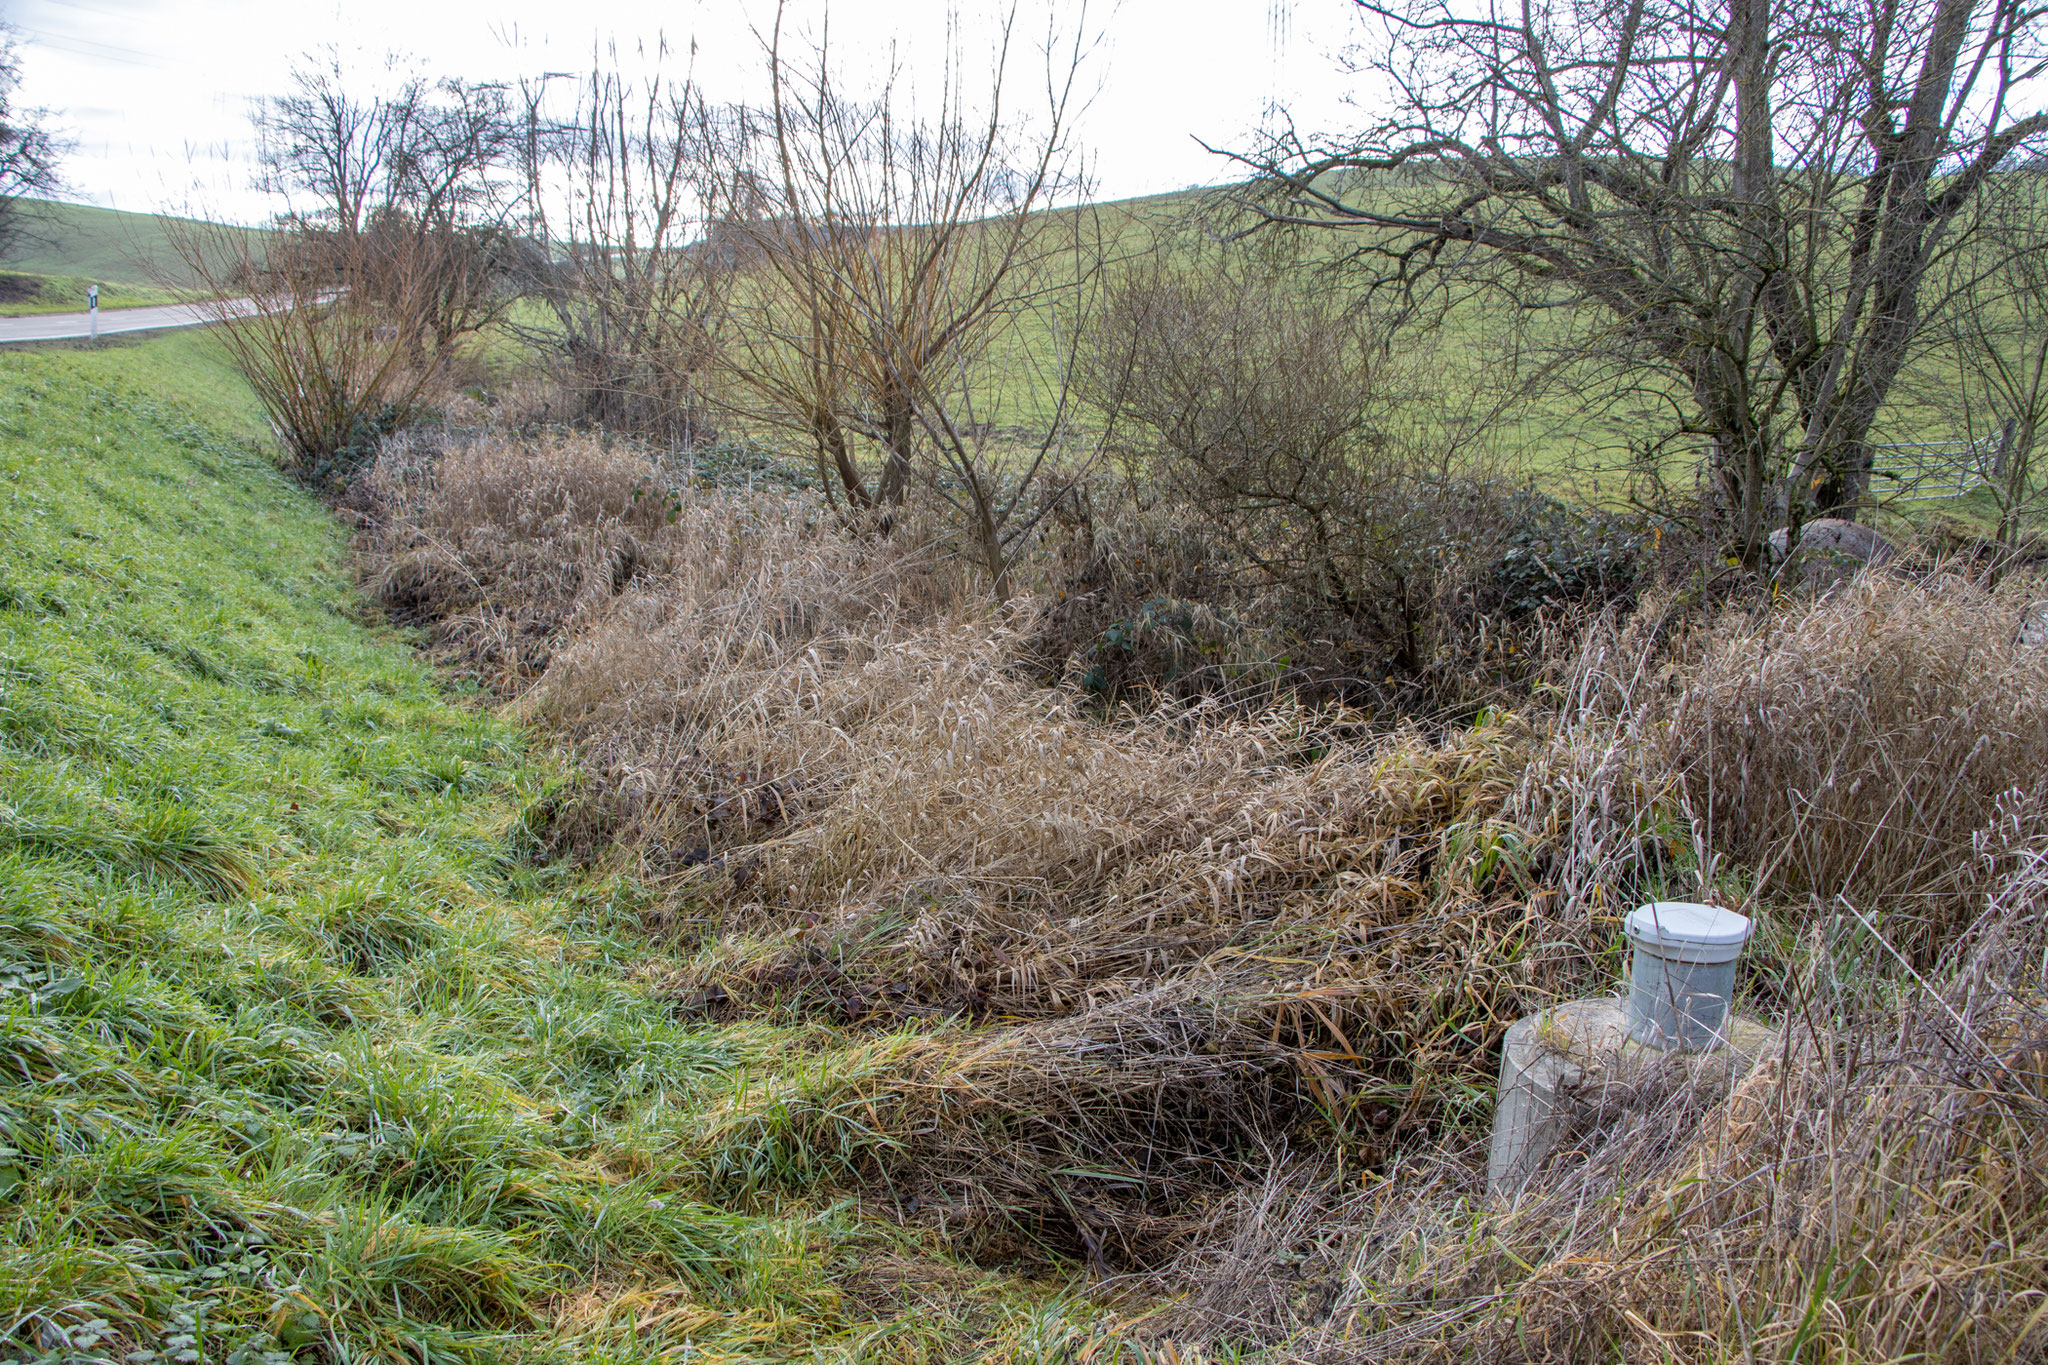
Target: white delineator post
{"type": "Point", "coordinates": [92, 307]}
{"type": "Point", "coordinates": [1676, 1012]}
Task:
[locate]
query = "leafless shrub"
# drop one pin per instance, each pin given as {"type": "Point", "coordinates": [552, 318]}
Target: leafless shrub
{"type": "Point", "coordinates": [1994, 390]}
{"type": "Point", "coordinates": [1307, 436]}
{"type": "Point", "coordinates": [347, 317]}
{"type": "Point", "coordinates": [624, 194]}
{"type": "Point", "coordinates": [333, 370]}
{"type": "Point", "coordinates": [1271, 412]}
{"type": "Point", "coordinates": [888, 248]}
{"type": "Point", "coordinates": [912, 281]}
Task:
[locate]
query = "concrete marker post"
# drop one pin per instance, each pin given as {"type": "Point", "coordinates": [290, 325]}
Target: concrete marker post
{"type": "Point", "coordinates": [1674, 1014]}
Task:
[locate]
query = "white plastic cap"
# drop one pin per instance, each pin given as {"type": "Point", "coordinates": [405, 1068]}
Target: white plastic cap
{"type": "Point", "coordinates": [1679, 931]}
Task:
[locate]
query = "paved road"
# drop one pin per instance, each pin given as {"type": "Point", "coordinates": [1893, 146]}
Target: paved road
{"type": "Point", "coordinates": [58, 326]}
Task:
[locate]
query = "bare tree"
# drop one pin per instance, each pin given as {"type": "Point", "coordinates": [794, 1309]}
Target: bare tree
{"type": "Point", "coordinates": [29, 152]}
{"type": "Point", "coordinates": [623, 195]}
{"type": "Point", "coordinates": [1007, 423]}
{"type": "Point", "coordinates": [887, 253]}
{"type": "Point", "coordinates": [409, 191]}
{"type": "Point", "coordinates": [390, 251]}
{"type": "Point", "coordinates": [1747, 196]}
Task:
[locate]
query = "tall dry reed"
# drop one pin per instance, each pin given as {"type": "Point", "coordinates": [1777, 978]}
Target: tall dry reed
{"type": "Point", "coordinates": [1874, 1191]}
{"type": "Point", "coordinates": [1856, 745]}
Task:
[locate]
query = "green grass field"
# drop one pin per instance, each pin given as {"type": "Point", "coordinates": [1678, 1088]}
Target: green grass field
{"type": "Point", "coordinates": [1551, 437]}
{"type": "Point", "coordinates": [106, 246]}
{"type": "Point", "coordinates": [1472, 369]}
{"type": "Point", "coordinates": [302, 1051]}
{"type": "Point", "coordinates": [1478, 364]}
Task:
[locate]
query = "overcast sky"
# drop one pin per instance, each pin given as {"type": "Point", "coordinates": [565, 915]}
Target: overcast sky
{"type": "Point", "coordinates": [156, 93]}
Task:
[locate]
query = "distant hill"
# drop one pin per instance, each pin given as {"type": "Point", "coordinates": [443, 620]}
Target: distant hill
{"type": "Point", "coordinates": [106, 245]}
{"type": "Point", "coordinates": [109, 246]}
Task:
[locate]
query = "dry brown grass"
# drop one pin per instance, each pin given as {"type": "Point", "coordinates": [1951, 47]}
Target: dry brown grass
{"type": "Point", "coordinates": [1189, 933]}
{"type": "Point", "coordinates": [1173, 941]}
{"type": "Point", "coordinates": [1875, 1192]}
{"type": "Point", "coordinates": [1859, 745]}
{"type": "Point", "coordinates": [508, 549]}
{"type": "Point", "coordinates": [1219, 988]}
{"type": "Point", "coordinates": [493, 545]}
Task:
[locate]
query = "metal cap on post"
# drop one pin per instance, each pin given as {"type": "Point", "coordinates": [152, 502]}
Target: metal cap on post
{"type": "Point", "coordinates": [1682, 973]}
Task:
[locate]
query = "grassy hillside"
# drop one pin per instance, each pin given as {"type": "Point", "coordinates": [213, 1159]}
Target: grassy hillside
{"type": "Point", "coordinates": [1462, 365]}
{"type": "Point", "coordinates": [104, 245]}
{"type": "Point", "coordinates": [303, 1054]}
{"type": "Point", "coordinates": [1477, 365]}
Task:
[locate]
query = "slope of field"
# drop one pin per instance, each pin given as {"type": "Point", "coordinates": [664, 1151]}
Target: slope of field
{"type": "Point", "coordinates": [1511, 385]}
{"type": "Point", "coordinates": [302, 1054]}
{"type": "Point", "coordinates": [1467, 362]}
{"type": "Point", "coordinates": [103, 245]}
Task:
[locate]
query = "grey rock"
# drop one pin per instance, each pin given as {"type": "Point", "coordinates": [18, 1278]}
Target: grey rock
{"type": "Point", "coordinates": [2034, 626]}
{"type": "Point", "coordinates": [1832, 535]}
{"type": "Point", "coordinates": [1829, 550]}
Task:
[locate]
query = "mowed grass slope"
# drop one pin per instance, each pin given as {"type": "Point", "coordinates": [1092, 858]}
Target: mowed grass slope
{"type": "Point", "coordinates": [297, 1053]}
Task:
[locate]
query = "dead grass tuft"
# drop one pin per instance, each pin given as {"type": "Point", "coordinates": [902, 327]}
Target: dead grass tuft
{"type": "Point", "coordinates": [1875, 1192]}
{"type": "Point", "coordinates": [1858, 746]}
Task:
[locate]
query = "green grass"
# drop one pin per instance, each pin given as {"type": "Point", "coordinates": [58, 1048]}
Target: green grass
{"type": "Point", "coordinates": [298, 1051]}
{"type": "Point", "coordinates": [30, 295]}
{"type": "Point", "coordinates": [1469, 357]}
{"type": "Point", "coordinates": [103, 245]}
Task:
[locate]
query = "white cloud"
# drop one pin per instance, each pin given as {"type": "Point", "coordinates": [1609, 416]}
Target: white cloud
{"type": "Point", "coordinates": [157, 92]}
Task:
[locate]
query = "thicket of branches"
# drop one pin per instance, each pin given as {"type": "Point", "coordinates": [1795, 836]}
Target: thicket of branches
{"type": "Point", "coordinates": [1987, 379]}
{"type": "Point", "coordinates": [394, 249]}
{"type": "Point", "coordinates": [623, 195]}
{"type": "Point", "coordinates": [1733, 210]}
{"type": "Point", "coordinates": [909, 274]}
{"type": "Point", "coordinates": [1278, 412]}
{"type": "Point", "coordinates": [893, 289]}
